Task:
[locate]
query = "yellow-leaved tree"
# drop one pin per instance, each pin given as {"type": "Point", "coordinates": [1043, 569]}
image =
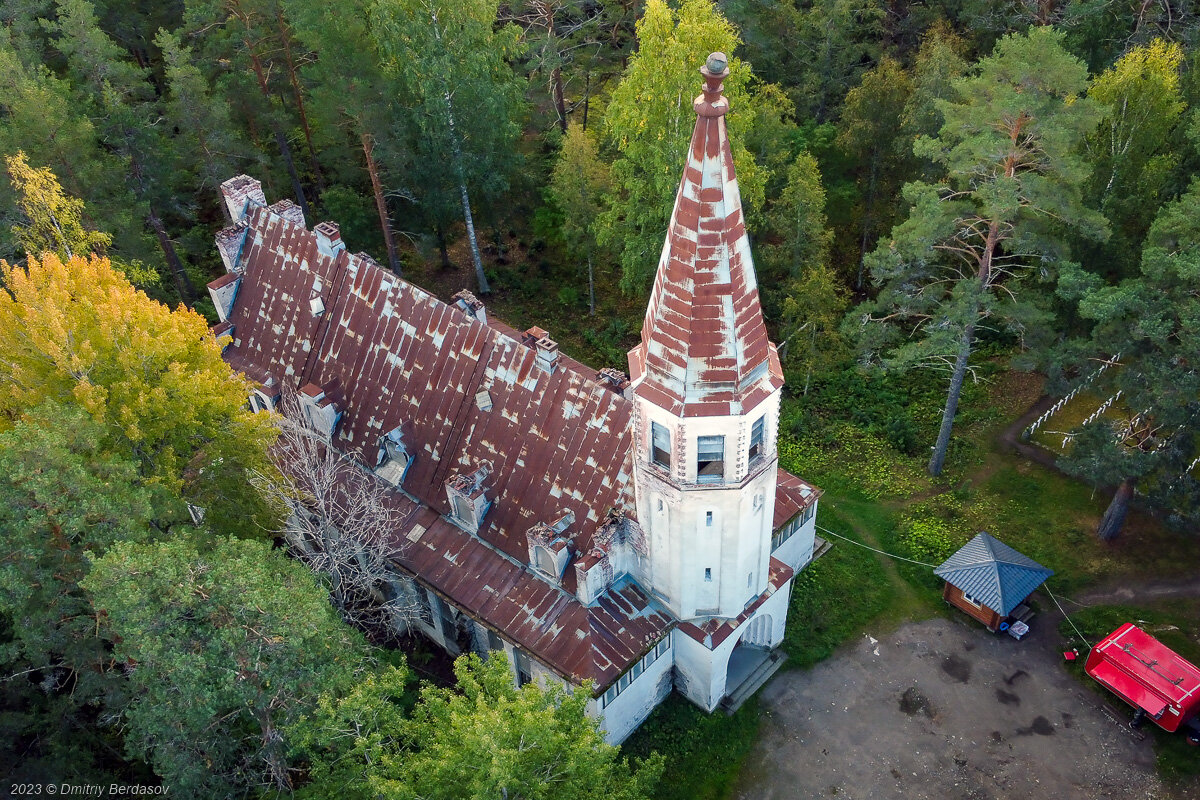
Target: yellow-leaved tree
{"type": "Point", "coordinates": [53, 220]}
{"type": "Point", "coordinates": [78, 333]}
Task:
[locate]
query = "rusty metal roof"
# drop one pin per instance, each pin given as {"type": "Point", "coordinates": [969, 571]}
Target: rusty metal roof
{"type": "Point", "coordinates": [792, 496]}
{"type": "Point", "coordinates": [705, 349]}
{"type": "Point", "coordinates": [389, 355]}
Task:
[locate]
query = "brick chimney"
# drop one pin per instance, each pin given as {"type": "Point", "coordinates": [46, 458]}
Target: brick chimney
{"type": "Point", "coordinates": [329, 239]}
{"type": "Point", "coordinates": [240, 191]}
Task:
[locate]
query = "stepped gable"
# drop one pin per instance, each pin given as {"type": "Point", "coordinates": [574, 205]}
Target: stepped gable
{"type": "Point", "coordinates": [705, 349]}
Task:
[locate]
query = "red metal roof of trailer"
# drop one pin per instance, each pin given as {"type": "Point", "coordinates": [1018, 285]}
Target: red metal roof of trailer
{"type": "Point", "coordinates": [1148, 675]}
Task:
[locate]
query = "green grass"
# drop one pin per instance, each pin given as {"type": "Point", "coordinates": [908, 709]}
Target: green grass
{"type": "Point", "coordinates": [834, 598]}
{"type": "Point", "coordinates": [1174, 623]}
{"type": "Point", "coordinates": [703, 752]}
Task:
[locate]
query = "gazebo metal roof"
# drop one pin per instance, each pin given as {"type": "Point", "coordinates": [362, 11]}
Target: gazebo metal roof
{"type": "Point", "coordinates": [993, 573]}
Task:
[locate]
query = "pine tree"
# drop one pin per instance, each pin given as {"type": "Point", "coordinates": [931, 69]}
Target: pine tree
{"type": "Point", "coordinates": [1009, 146]}
{"type": "Point", "coordinates": [232, 643]}
{"type": "Point", "coordinates": [1150, 320]}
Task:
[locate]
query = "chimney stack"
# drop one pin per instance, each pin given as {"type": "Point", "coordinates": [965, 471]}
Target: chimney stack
{"type": "Point", "coordinates": [329, 239]}
{"type": "Point", "coordinates": [238, 193]}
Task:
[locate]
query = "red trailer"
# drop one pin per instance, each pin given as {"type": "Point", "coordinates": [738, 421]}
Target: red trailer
{"type": "Point", "coordinates": [1148, 675]}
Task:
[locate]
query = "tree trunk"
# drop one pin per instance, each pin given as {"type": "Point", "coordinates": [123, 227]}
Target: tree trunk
{"type": "Point", "coordinates": [380, 203]}
{"type": "Point", "coordinates": [281, 142]}
{"type": "Point", "coordinates": [591, 288]}
{"type": "Point", "coordinates": [1114, 516]}
{"type": "Point", "coordinates": [286, 151]}
{"type": "Point", "coordinates": [182, 285]}
{"type": "Point", "coordinates": [956, 382]}
{"type": "Point", "coordinates": [442, 251]}
{"type": "Point", "coordinates": [285, 37]}
{"type": "Point", "coordinates": [456, 147]}
{"type": "Point", "coordinates": [868, 214]}
{"type": "Point", "coordinates": [587, 97]}
{"type": "Point", "coordinates": [560, 103]}
{"type": "Point", "coordinates": [466, 204]}
{"type": "Point", "coordinates": [468, 217]}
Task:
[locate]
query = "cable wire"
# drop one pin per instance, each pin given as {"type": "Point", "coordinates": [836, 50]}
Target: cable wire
{"type": "Point", "coordinates": [934, 566]}
{"type": "Point", "coordinates": [1067, 616]}
{"type": "Point", "coordinates": [881, 552]}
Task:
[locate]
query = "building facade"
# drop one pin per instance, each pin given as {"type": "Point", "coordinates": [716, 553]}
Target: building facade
{"type": "Point", "coordinates": [632, 531]}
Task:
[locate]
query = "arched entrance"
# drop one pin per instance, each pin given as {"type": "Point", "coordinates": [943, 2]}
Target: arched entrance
{"type": "Point", "coordinates": [751, 663]}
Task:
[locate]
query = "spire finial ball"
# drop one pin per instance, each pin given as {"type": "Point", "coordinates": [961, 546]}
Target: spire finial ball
{"type": "Point", "coordinates": [717, 63]}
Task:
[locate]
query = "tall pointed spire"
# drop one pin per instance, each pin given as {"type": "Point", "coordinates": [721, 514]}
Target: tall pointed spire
{"type": "Point", "coordinates": [704, 349]}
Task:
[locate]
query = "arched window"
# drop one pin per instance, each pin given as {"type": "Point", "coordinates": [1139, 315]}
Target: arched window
{"type": "Point", "coordinates": [545, 561]}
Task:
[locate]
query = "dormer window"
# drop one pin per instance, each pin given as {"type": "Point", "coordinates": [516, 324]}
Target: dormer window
{"type": "Point", "coordinates": [468, 498]}
{"type": "Point", "coordinates": [660, 445]}
{"type": "Point", "coordinates": [710, 459]}
{"type": "Point", "coordinates": [549, 551]}
{"type": "Point", "coordinates": [320, 413]}
{"type": "Point", "coordinates": [756, 437]}
{"type": "Point", "coordinates": [545, 562]}
{"type": "Point", "coordinates": [394, 459]}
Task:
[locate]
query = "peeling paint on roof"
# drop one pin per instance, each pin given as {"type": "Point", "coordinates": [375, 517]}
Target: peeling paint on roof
{"type": "Point", "coordinates": [423, 369]}
{"type": "Point", "coordinates": [705, 349]}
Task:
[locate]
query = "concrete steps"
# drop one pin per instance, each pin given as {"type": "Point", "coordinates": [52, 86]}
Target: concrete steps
{"type": "Point", "coordinates": [761, 674]}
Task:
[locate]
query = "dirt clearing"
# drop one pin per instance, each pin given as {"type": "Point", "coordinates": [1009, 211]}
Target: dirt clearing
{"type": "Point", "coordinates": [943, 709]}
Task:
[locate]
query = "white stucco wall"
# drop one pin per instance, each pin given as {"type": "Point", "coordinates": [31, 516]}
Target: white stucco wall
{"type": "Point", "coordinates": [623, 715]}
{"type": "Point", "coordinates": [797, 551]}
{"type": "Point", "coordinates": [698, 567]}
{"type": "Point", "coordinates": [701, 673]}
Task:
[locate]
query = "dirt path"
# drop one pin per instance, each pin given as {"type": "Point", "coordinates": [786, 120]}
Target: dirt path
{"type": "Point", "coordinates": [1010, 438]}
{"type": "Point", "coordinates": [1127, 593]}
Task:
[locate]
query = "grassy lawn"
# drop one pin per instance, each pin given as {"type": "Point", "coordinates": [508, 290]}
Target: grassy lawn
{"type": "Point", "coordinates": [1174, 624]}
{"type": "Point", "coordinates": [703, 752]}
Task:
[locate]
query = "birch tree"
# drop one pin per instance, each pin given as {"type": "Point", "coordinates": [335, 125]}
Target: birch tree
{"type": "Point", "coordinates": [650, 121]}
{"type": "Point", "coordinates": [1009, 147]}
{"type": "Point", "coordinates": [578, 184]}
{"type": "Point", "coordinates": [1131, 150]}
{"type": "Point", "coordinates": [53, 222]}
{"type": "Point", "coordinates": [342, 522]}
{"type": "Point", "coordinates": [454, 65]}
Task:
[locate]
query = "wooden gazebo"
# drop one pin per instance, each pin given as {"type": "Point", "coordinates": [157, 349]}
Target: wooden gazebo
{"type": "Point", "coordinates": [988, 579]}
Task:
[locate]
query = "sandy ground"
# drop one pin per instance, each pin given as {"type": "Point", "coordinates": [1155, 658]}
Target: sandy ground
{"type": "Point", "coordinates": [944, 710]}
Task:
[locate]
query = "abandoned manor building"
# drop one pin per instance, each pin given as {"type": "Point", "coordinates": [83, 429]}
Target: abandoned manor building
{"type": "Point", "coordinates": [633, 531]}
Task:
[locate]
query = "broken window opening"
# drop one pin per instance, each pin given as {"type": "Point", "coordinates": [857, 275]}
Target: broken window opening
{"type": "Point", "coordinates": [660, 445]}
{"type": "Point", "coordinates": [523, 666]}
{"type": "Point", "coordinates": [756, 437]}
{"type": "Point", "coordinates": [710, 459]}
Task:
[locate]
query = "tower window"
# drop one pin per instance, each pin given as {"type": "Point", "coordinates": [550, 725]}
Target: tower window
{"type": "Point", "coordinates": [708, 518]}
{"type": "Point", "coordinates": [710, 459]}
{"type": "Point", "coordinates": [708, 574]}
{"type": "Point", "coordinates": [660, 445]}
{"type": "Point", "coordinates": [756, 438]}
